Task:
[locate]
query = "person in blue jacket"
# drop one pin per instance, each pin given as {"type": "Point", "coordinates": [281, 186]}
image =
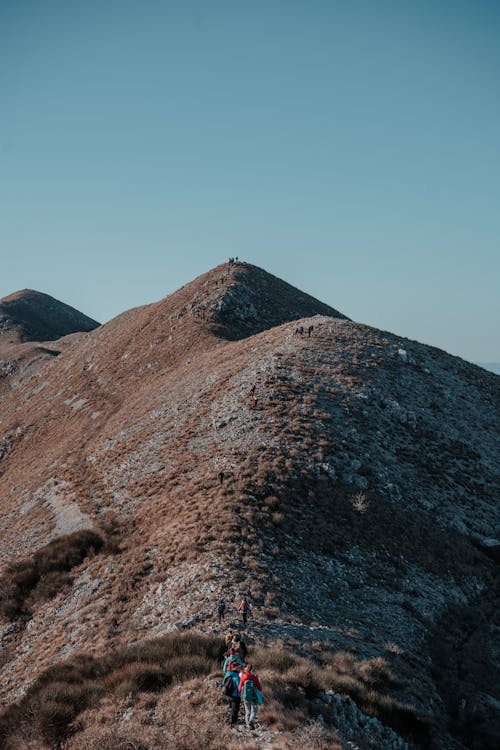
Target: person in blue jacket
{"type": "Point", "coordinates": [230, 659]}
{"type": "Point", "coordinates": [230, 685]}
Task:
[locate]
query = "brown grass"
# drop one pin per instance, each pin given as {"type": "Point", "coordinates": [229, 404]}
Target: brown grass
{"type": "Point", "coordinates": [43, 575]}
{"type": "Point", "coordinates": [315, 736]}
{"type": "Point", "coordinates": [294, 682]}
{"type": "Point", "coordinates": [175, 681]}
{"type": "Point", "coordinates": [64, 691]}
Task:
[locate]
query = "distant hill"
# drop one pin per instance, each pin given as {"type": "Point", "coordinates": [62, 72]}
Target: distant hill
{"type": "Point", "coordinates": [242, 438]}
{"type": "Point", "coordinates": [28, 315]}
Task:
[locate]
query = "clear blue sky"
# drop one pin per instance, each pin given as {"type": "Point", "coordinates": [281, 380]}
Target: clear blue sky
{"type": "Point", "coordinates": [351, 147]}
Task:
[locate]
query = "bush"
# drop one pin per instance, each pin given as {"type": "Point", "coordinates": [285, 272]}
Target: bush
{"type": "Point", "coordinates": [315, 736]}
{"type": "Point", "coordinates": [44, 574]}
{"type": "Point", "coordinates": [276, 657]}
{"type": "Point", "coordinates": [62, 692]}
{"type": "Point", "coordinates": [134, 678]}
{"type": "Point", "coordinates": [173, 678]}
{"type": "Point", "coordinates": [305, 677]}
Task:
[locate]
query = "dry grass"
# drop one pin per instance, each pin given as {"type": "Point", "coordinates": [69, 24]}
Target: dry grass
{"type": "Point", "coordinates": [314, 736]}
{"type": "Point", "coordinates": [64, 691]}
{"type": "Point", "coordinates": [183, 727]}
{"type": "Point", "coordinates": [172, 683]}
{"type": "Point", "coordinates": [43, 575]}
{"type": "Point", "coordinates": [294, 682]}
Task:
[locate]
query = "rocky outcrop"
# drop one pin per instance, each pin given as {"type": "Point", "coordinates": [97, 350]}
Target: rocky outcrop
{"type": "Point", "coordinates": [256, 301]}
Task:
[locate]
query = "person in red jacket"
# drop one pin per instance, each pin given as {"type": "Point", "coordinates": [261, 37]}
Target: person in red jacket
{"type": "Point", "coordinates": [249, 684]}
{"type": "Point", "coordinates": [245, 610]}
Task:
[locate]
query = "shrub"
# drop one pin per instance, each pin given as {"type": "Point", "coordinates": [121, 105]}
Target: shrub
{"type": "Point", "coordinates": [43, 575]}
{"type": "Point", "coordinates": [271, 612]}
{"type": "Point", "coordinates": [305, 677]}
{"type": "Point", "coordinates": [68, 551]}
{"type": "Point", "coordinates": [132, 738]}
{"type": "Point", "coordinates": [173, 680]}
{"type": "Point", "coordinates": [315, 736]}
{"type": "Point", "coordinates": [134, 678]}
{"type": "Point", "coordinates": [276, 658]}
{"type": "Point", "coordinates": [62, 692]}
{"type": "Point", "coordinates": [47, 587]}
{"type": "Point", "coordinates": [190, 665]}
{"type": "Point", "coordinates": [376, 672]}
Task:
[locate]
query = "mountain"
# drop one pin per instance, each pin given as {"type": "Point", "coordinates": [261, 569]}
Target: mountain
{"type": "Point", "coordinates": [342, 477]}
{"type": "Point", "coordinates": [32, 316]}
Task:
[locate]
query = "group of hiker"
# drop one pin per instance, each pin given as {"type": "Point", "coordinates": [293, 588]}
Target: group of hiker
{"type": "Point", "coordinates": [239, 682]}
{"type": "Point", "coordinates": [301, 330]}
{"type": "Point", "coordinates": [244, 609]}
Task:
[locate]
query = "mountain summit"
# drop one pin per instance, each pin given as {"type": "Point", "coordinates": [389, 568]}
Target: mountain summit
{"type": "Point", "coordinates": [239, 437]}
{"type": "Point", "coordinates": [252, 300]}
{"type": "Point", "coordinates": [28, 315]}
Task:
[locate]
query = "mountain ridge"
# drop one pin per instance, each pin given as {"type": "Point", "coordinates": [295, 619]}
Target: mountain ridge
{"type": "Point", "coordinates": [357, 499]}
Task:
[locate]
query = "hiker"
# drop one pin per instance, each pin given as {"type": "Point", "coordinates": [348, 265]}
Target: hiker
{"type": "Point", "coordinates": [221, 610]}
{"type": "Point", "coordinates": [250, 690]}
{"type": "Point", "coordinates": [221, 477]}
{"type": "Point", "coordinates": [230, 688]}
{"type": "Point", "coordinates": [309, 331]}
{"type": "Point", "coordinates": [239, 647]}
{"type": "Point", "coordinates": [230, 658]}
{"type": "Point", "coordinates": [253, 402]}
{"type": "Point", "coordinates": [244, 608]}
{"type": "Point", "coordinates": [228, 639]}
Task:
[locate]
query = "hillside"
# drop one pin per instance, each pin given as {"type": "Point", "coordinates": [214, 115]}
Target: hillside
{"type": "Point", "coordinates": [357, 506]}
{"type": "Point", "coordinates": [30, 323]}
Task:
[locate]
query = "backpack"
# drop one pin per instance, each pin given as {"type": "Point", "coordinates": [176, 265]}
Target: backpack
{"type": "Point", "coordinates": [228, 686]}
{"type": "Point", "coordinates": [228, 661]}
{"type": "Point", "coordinates": [249, 694]}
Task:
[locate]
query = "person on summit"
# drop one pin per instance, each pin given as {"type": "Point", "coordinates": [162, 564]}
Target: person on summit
{"type": "Point", "coordinates": [250, 690]}
{"type": "Point", "coordinates": [245, 609]}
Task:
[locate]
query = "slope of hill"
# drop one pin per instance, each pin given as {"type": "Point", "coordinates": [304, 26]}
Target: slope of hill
{"type": "Point", "coordinates": [356, 504]}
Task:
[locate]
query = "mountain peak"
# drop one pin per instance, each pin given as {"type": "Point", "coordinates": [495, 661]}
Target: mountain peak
{"type": "Point", "coordinates": [29, 315]}
{"type": "Point", "coordinates": [242, 299]}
